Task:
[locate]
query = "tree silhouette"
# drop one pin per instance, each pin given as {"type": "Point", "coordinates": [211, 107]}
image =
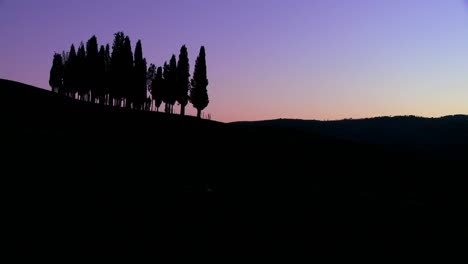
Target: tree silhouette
{"type": "Point", "coordinates": [81, 71]}
{"type": "Point", "coordinates": [165, 88]}
{"type": "Point", "coordinates": [121, 78]}
{"type": "Point", "coordinates": [65, 57]}
{"type": "Point", "coordinates": [107, 74]}
{"type": "Point", "coordinates": [140, 71]}
{"type": "Point", "coordinates": [128, 91]}
{"type": "Point", "coordinates": [56, 74]}
{"type": "Point", "coordinates": [92, 71]}
{"type": "Point", "coordinates": [198, 91]}
{"type": "Point", "coordinates": [99, 92]}
{"type": "Point", "coordinates": [157, 86]}
{"type": "Point", "coordinates": [70, 77]}
{"type": "Point", "coordinates": [172, 83]}
{"type": "Point", "coordinates": [183, 79]}
{"type": "Point", "coordinates": [117, 70]}
{"type": "Point", "coordinates": [150, 75]}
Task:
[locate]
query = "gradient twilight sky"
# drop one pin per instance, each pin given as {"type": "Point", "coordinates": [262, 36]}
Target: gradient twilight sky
{"type": "Point", "coordinates": [311, 59]}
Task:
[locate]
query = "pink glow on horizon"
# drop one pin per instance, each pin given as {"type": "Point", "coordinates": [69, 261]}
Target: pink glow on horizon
{"type": "Point", "coordinates": [267, 59]}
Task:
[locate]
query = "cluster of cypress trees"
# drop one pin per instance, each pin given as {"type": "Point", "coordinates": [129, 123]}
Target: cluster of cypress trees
{"type": "Point", "coordinates": [121, 78]}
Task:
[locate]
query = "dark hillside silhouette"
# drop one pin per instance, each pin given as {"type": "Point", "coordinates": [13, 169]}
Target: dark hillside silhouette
{"type": "Point", "coordinates": [86, 179]}
{"type": "Point", "coordinates": [399, 131]}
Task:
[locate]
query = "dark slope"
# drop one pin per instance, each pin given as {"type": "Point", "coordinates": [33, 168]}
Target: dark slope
{"type": "Point", "coordinates": [400, 130]}
{"type": "Point", "coordinates": [86, 179]}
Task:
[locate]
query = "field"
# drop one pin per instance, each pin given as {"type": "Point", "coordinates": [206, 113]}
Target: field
{"type": "Point", "coordinates": [84, 179]}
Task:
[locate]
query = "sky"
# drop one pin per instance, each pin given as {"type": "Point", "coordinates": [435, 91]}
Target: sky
{"type": "Point", "coordinates": [267, 59]}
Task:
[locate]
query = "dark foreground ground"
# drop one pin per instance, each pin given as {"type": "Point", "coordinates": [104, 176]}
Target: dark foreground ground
{"type": "Point", "coordinates": [82, 180]}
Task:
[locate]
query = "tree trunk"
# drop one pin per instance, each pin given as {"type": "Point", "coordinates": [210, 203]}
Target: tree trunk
{"type": "Point", "coordinates": [198, 113]}
{"type": "Point", "coordinates": [182, 110]}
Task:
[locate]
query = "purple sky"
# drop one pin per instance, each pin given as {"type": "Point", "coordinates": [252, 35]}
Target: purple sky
{"type": "Point", "coordinates": [312, 59]}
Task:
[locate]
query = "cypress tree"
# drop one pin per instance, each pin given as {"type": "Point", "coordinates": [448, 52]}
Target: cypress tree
{"type": "Point", "coordinates": [198, 91]}
{"type": "Point", "coordinates": [107, 74]}
{"type": "Point", "coordinates": [157, 86]}
{"type": "Point", "coordinates": [81, 71]}
{"type": "Point", "coordinates": [99, 92]}
{"type": "Point", "coordinates": [69, 81]}
{"type": "Point", "coordinates": [117, 70]}
{"type": "Point", "coordinates": [139, 86]}
{"type": "Point", "coordinates": [56, 74]}
{"type": "Point", "coordinates": [92, 71]}
{"type": "Point", "coordinates": [150, 76]}
{"type": "Point", "coordinates": [165, 88]}
{"type": "Point", "coordinates": [128, 92]}
{"type": "Point", "coordinates": [183, 79]}
{"type": "Point", "coordinates": [172, 83]}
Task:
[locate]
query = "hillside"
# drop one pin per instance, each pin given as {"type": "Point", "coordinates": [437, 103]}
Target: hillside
{"type": "Point", "coordinates": [87, 179]}
{"type": "Point", "coordinates": [399, 130]}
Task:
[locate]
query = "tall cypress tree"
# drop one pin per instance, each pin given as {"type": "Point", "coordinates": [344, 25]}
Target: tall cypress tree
{"type": "Point", "coordinates": [99, 92]}
{"type": "Point", "coordinates": [92, 65]}
{"type": "Point", "coordinates": [198, 91]}
{"type": "Point", "coordinates": [150, 76]}
{"type": "Point", "coordinates": [157, 86]}
{"type": "Point", "coordinates": [172, 83]}
{"type": "Point", "coordinates": [81, 71]}
{"type": "Point", "coordinates": [165, 88]}
{"type": "Point", "coordinates": [107, 74]}
{"type": "Point", "coordinates": [128, 74]}
{"type": "Point", "coordinates": [117, 70]}
{"type": "Point", "coordinates": [140, 70]}
{"type": "Point", "coordinates": [69, 82]}
{"type": "Point", "coordinates": [56, 74]}
{"type": "Point", "coordinates": [183, 79]}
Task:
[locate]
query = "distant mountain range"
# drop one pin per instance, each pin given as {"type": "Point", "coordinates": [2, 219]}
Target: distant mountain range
{"type": "Point", "coordinates": [398, 130]}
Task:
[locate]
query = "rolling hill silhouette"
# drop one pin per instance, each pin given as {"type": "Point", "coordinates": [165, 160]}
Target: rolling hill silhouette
{"type": "Point", "coordinates": [88, 179]}
{"type": "Point", "coordinates": [398, 130]}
